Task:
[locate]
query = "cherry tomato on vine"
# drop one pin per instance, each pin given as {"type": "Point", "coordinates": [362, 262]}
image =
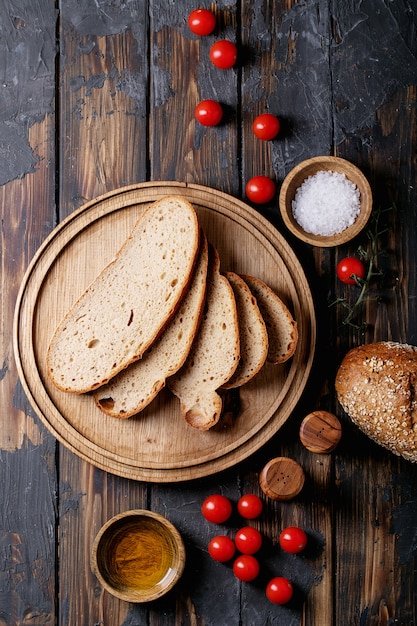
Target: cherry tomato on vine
{"type": "Point", "coordinates": [221, 548]}
{"type": "Point", "coordinates": [266, 126]}
{"type": "Point", "coordinates": [279, 590]}
{"type": "Point", "coordinates": [250, 506]}
{"type": "Point", "coordinates": [223, 54]}
{"type": "Point", "coordinates": [348, 267]}
{"type": "Point", "coordinates": [246, 567]}
{"type": "Point", "coordinates": [260, 189]}
{"type": "Point", "coordinates": [293, 539]}
{"type": "Point", "coordinates": [216, 509]}
{"type": "Point", "coordinates": [248, 540]}
{"type": "Point", "coordinates": [208, 112]}
{"type": "Point", "coordinates": [201, 22]}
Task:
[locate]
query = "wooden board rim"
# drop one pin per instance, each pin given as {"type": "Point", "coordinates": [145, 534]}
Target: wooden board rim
{"type": "Point", "coordinates": [121, 466]}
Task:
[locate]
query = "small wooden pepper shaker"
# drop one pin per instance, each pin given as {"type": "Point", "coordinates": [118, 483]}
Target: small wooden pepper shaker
{"type": "Point", "coordinates": [282, 478]}
{"type": "Point", "coordinates": [320, 432]}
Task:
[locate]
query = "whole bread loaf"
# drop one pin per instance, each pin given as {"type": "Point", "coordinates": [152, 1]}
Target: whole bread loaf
{"type": "Point", "coordinates": [125, 308]}
{"type": "Point", "coordinates": [376, 384]}
{"type": "Point", "coordinates": [280, 325]}
{"type": "Point", "coordinates": [252, 333]}
{"type": "Point", "coordinates": [214, 354]}
{"type": "Point", "coordinates": [136, 386]}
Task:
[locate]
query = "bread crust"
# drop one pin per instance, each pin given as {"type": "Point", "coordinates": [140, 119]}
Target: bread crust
{"type": "Point", "coordinates": [280, 325]}
{"type": "Point", "coordinates": [252, 332]}
{"type": "Point", "coordinates": [136, 386]}
{"type": "Point", "coordinates": [110, 325]}
{"type": "Point", "coordinates": [214, 355]}
{"type": "Point", "coordinates": [376, 386]}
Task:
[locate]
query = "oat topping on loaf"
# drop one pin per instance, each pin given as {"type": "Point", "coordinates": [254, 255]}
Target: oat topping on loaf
{"type": "Point", "coordinates": [376, 384]}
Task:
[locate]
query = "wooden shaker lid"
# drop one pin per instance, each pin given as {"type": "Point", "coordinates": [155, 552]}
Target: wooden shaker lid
{"type": "Point", "coordinates": [282, 478]}
{"type": "Point", "coordinates": [320, 432]}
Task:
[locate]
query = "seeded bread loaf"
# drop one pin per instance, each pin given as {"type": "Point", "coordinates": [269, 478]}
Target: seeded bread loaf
{"type": "Point", "coordinates": [214, 354]}
{"type": "Point", "coordinates": [136, 386]}
{"type": "Point", "coordinates": [125, 308]}
{"type": "Point", "coordinates": [281, 327]}
{"type": "Point", "coordinates": [252, 332]}
{"type": "Point", "coordinates": [376, 384]}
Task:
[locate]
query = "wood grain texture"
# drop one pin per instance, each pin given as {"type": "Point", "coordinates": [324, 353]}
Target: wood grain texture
{"type": "Point", "coordinates": [376, 550]}
{"type": "Point", "coordinates": [103, 72]}
{"type": "Point", "coordinates": [136, 448]}
{"type": "Point", "coordinates": [342, 78]}
{"type": "Point", "coordinates": [27, 214]}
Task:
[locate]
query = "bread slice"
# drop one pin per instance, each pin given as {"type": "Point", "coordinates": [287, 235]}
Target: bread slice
{"type": "Point", "coordinates": [214, 354]}
{"type": "Point", "coordinates": [136, 386]}
{"type": "Point", "coordinates": [125, 308]}
{"type": "Point", "coordinates": [280, 325]}
{"type": "Point", "coordinates": [252, 332]}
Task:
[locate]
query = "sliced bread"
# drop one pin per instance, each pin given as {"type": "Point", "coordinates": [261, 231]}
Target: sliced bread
{"type": "Point", "coordinates": [214, 354]}
{"type": "Point", "coordinates": [136, 386]}
{"type": "Point", "coordinates": [125, 308]}
{"type": "Point", "coordinates": [280, 325]}
{"type": "Point", "coordinates": [252, 332]}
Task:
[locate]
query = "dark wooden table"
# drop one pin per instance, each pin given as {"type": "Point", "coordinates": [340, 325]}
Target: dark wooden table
{"type": "Point", "coordinates": [99, 94]}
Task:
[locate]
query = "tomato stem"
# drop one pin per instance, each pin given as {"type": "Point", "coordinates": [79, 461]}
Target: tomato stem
{"type": "Point", "coordinates": [369, 255]}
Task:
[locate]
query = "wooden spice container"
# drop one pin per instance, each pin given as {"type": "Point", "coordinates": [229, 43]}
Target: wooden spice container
{"type": "Point", "coordinates": [320, 432]}
{"type": "Point", "coordinates": [282, 478]}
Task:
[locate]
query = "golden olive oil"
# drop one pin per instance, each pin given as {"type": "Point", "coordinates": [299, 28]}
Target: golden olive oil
{"type": "Point", "coordinates": [141, 556]}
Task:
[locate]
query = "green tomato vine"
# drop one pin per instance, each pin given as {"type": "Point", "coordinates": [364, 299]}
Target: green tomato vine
{"type": "Point", "coordinates": [369, 256]}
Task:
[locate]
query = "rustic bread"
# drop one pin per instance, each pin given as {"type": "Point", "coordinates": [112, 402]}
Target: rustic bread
{"type": "Point", "coordinates": [281, 327]}
{"type": "Point", "coordinates": [376, 386]}
{"type": "Point", "coordinates": [125, 308]}
{"type": "Point", "coordinates": [252, 332]}
{"type": "Point", "coordinates": [136, 386]}
{"type": "Point", "coordinates": [214, 354]}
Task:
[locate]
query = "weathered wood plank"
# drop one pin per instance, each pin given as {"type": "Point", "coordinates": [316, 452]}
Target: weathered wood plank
{"type": "Point", "coordinates": [182, 149]}
{"type": "Point", "coordinates": [27, 206]}
{"type": "Point", "coordinates": [375, 127]}
{"type": "Point", "coordinates": [103, 113]}
{"type": "Point", "coordinates": [181, 76]}
{"type": "Point", "coordinates": [287, 74]}
{"type": "Point", "coordinates": [341, 76]}
{"type": "Point", "coordinates": [103, 146]}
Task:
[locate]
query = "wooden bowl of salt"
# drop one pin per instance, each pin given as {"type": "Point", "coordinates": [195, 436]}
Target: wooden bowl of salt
{"type": "Point", "coordinates": [138, 556]}
{"type": "Point", "coordinates": [325, 201]}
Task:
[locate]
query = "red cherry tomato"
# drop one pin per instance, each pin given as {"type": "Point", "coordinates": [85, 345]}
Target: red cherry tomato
{"type": "Point", "coordinates": [266, 126]}
{"type": "Point", "coordinates": [246, 568]}
{"type": "Point", "coordinates": [279, 590]}
{"type": "Point", "coordinates": [260, 189]}
{"type": "Point", "coordinates": [223, 54]}
{"type": "Point", "coordinates": [249, 506]}
{"type": "Point", "coordinates": [201, 22]}
{"type": "Point", "coordinates": [208, 112]}
{"type": "Point", "coordinates": [216, 509]}
{"type": "Point", "coordinates": [248, 540]}
{"type": "Point", "coordinates": [348, 267]}
{"type": "Point", "coordinates": [221, 548]}
{"type": "Point", "coordinates": [293, 539]}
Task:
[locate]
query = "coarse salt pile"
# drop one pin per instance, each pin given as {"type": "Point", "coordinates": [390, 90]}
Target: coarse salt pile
{"type": "Point", "coordinates": [326, 203]}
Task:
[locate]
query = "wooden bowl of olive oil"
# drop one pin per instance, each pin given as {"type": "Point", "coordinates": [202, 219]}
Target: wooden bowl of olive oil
{"type": "Point", "coordinates": [138, 556]}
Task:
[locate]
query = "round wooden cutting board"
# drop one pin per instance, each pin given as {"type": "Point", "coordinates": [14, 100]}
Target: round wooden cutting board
{"type": "Point", "coordinates": [157, 445]}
